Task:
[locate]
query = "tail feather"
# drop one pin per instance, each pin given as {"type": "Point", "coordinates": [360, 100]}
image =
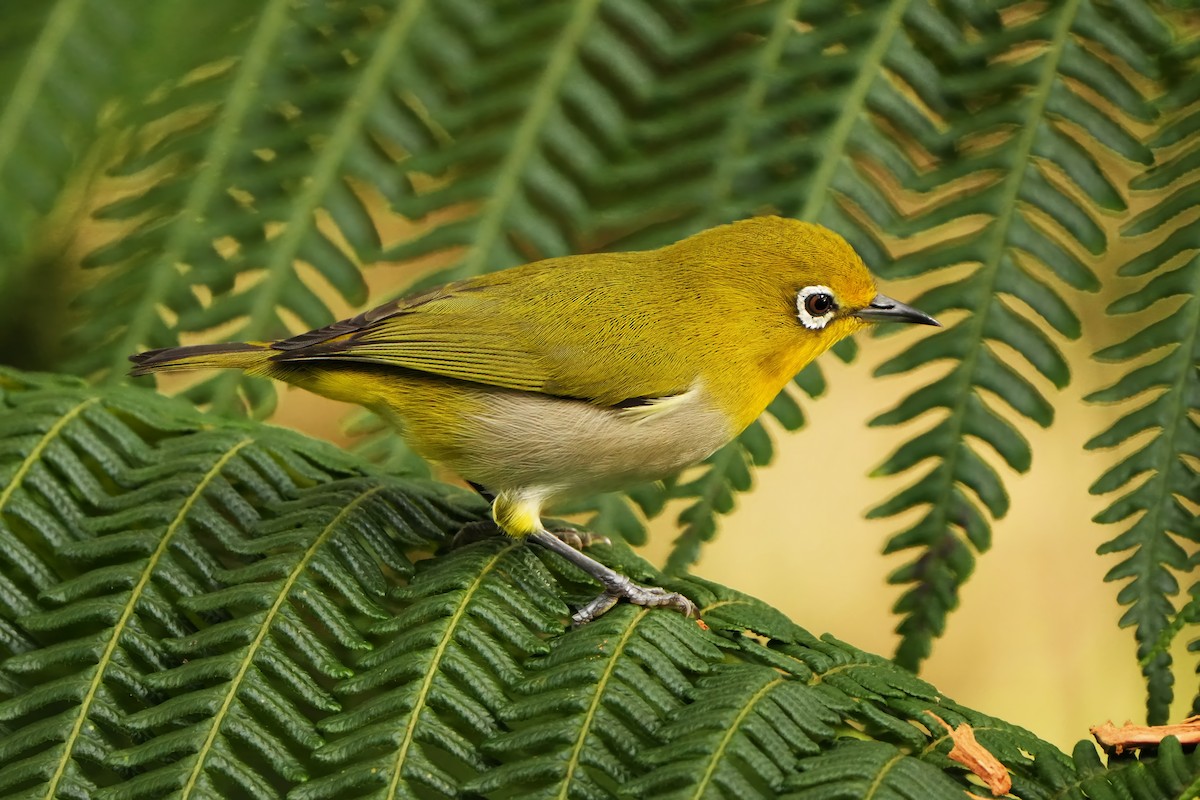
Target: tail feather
{"type": "Point", "coordinates": [239, 355]}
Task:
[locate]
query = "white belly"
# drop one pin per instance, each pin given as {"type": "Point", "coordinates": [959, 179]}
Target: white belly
{"type": "Point", "coordinates": [555, 448]}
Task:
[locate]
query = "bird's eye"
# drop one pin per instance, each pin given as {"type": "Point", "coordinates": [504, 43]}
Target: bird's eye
{"type": "Point", "coordinates": [815, 306]}
{"type": "Point", "coordinates": [818, 304]}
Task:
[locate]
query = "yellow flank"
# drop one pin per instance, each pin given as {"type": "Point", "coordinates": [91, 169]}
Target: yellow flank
{"type": "Point", "coordinates": [587, 372]}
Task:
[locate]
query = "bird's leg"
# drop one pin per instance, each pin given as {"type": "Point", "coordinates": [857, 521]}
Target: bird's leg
{"type": "Point", "coordinates": [484, 528]}
{"type": "Point", "coordinates": [616, 585]}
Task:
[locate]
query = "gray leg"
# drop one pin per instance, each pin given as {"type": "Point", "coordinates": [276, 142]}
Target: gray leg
{"type": "Point", "coordinates": [616, 585]}
{"type": "Point", "coordinates": [486, 529]}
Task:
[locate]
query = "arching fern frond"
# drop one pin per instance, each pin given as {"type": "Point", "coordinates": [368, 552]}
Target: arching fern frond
{"type": "Point", "coordinates": [1029, 139]}
{"type": "Point", "coordinates": [856, 768]}
{"type": "Point", "coordinates": [1167, 771]}
{"type": "Point", "coordinates": [527, 142]}
{"type": "Point", "coordinates": [240, 611]}
{"type": "Point", "coordinates": [260, 146]}
{"type": "Point", "coordinates": [443, 671]}
{"type": "Point", "coordinates": [1156, 545]}
{"type": "Point", "coordinates": [589, 709]}
{"type": "Point", "coordinates": [243, 691]}
{"type": "Point", "coordinates": [740, 737]}
{"type": "Point", "coordinates": [61, 63]}
{"type": "Point", "coordinates": [135, 501]}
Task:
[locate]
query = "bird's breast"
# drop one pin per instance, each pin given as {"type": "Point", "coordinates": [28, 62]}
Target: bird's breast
{"type": "Point", "coordinates": [520, 440]}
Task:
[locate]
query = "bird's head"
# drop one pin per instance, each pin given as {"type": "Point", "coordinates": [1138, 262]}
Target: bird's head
{"type": "Point", "coordinates": [805, 276]}
{"type": "Point", "coordinates": [778, 293]}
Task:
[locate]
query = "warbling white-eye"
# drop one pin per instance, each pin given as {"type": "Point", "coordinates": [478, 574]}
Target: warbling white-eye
{"type": "Point", "coordinates": [585, 373]}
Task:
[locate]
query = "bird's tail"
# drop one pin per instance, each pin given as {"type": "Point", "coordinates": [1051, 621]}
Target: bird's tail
{"type": "Point", "coordinates": [239, 355]}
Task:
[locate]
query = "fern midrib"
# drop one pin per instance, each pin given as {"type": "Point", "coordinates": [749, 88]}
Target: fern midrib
{"type": "Point", "coordinates": [734, 727]}
{"type": "Point", "coordinates": [589, 717]}
{"type": "Point", "coordinates": [852, 108]}
{"type": "Point", "coordinates": [508, 180]}
{"type": "Point", "coordinates": [1177, 417]}
{"type": "Point", "coordinates": [191, 220]}
{"type": "Point", "coordinates": [744, 111]}
{"type": "Point", "coordinates": [218, 719]}
{"type": "Point", "coordinates": [135, 594]}
{"type": "Point", "coordinates": [879, 777]}
{"type": "Point", "coordinates": [35, 455]}
{"type": "Point", "coordinates": [432, 671]}
{"type": "Point", "coordinates": [326, 170]}
{"type": "Point", "coordinates": [1011, 192]}
{"type": "Point", "coordinates": [31, 82]}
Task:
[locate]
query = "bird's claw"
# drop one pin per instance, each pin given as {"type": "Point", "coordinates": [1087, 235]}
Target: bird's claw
{"type": "Point", "coordinates": [646, 596]}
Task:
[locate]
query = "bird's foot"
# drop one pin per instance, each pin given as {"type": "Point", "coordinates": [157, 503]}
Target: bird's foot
{"type": "Point", "coordinates": [616, 585]}
{"type": "Point", "coordinates": [646, 596]}
{"type": "Point", "coordinates": [485, 529]}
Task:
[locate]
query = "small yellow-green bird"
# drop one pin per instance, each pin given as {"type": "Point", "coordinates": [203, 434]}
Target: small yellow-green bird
{"type": "Point", "coordinates": [585, 373]}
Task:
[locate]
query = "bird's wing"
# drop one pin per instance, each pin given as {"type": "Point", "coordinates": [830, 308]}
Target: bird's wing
{"type": "Point", "coordinates": [516, 330]}
{"type": "Point", "coordinates": [454, 331]}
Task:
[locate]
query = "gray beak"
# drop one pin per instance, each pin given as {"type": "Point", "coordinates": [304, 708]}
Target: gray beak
{"type": "Point", "coordinates": [885, 309]}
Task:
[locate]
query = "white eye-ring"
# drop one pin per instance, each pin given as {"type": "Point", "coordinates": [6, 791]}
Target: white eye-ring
{"type": "Point", "coordinates": [815, 306]}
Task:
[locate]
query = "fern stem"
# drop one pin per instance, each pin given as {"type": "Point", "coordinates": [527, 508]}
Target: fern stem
{"type": "Point", "coordinates": [852, 106]}
{"type": "Point", "coordinates": [508, 180]}
{"type": "Point", "coordinates": [135, 594]}
{"type": "Point", "coordinates": [35, 454]}
{"type": "Point", "coordinates": [1001, 225]}
{"type": "Point", "coordinates": [742, 118]}
{"type": "Point", "coordinates": [32, 80]}
{"type": "Point", "coordinates": [976, 325]}
{"type": "Point", "coordinates": [434, 669]}
{"type": "Point", "coordinates": [727, 737]}
{"type": "Point", "coordinates": [264, 628]}
{"type": "Point", "coordinates": [191, 221]}
{"type": "Point", "coordinates": [1176, 419]}
{"type": "Point", "coordinates": [877, 784]}
{"type": "Point", "coordinates": [585, 727]}
{"type": "Point", "coordinates": [326, 170]}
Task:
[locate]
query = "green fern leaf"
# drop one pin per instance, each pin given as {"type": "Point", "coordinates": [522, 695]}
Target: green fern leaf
{"type": "Point", "coordinates": [1151, 548]}
{"type": "Point", "coordinates": [240, 611]}
{"type": "Point", "coordinates": [247, 684]}
{"type": "Point", "coordinates": [62, 61]}
{"type": "Point", "coordinates": [590, 708]}
{"type": "Point", "coordinates": [1049, 189]}
{"type": "Point", "coordinates": [518, 159]}
{"type": "Point", "coordinates": [262, 160]}
{"type": "Point", "coordinates": [444, 670]}
{"type": "Point", "coordinates": [740, 737]}
{"type": "Point", "coordinates": [869, 769]}
{"type": "Point", "coordinates": [1169, 772]}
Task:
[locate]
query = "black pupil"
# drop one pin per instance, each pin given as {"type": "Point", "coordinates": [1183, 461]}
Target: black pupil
{"type": "Point", "coordinates": [818, 304]}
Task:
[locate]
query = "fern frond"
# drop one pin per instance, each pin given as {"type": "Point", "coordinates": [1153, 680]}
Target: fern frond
{"type": "Point", "coordinates": [136, 501]}
{"type": "Point", "coordinates": [854, 768]}
{"type": "Point", "coordinates": [240, 611]}
{"type": "Point", "coordinates": [1031, 141]}
{"type": "Point", "coordinates": [546, 101]}
{"type": "Point", "coordinates": [1153, 547]}
{"type": "Point", "coordinates": [1166, 772]}
{"type": "Point", "coordinates": [740, 737]}
{"type": "Point", "coordinates": [62, 62]}
{"type": "Point", "coordinates": [589, 709]}
{"type": "Point", "coordinates": [414, 717]}
{"type": "Point", "coordinates": [248, 684]}
{"type": "Point", "coordinates": [242, 183]}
